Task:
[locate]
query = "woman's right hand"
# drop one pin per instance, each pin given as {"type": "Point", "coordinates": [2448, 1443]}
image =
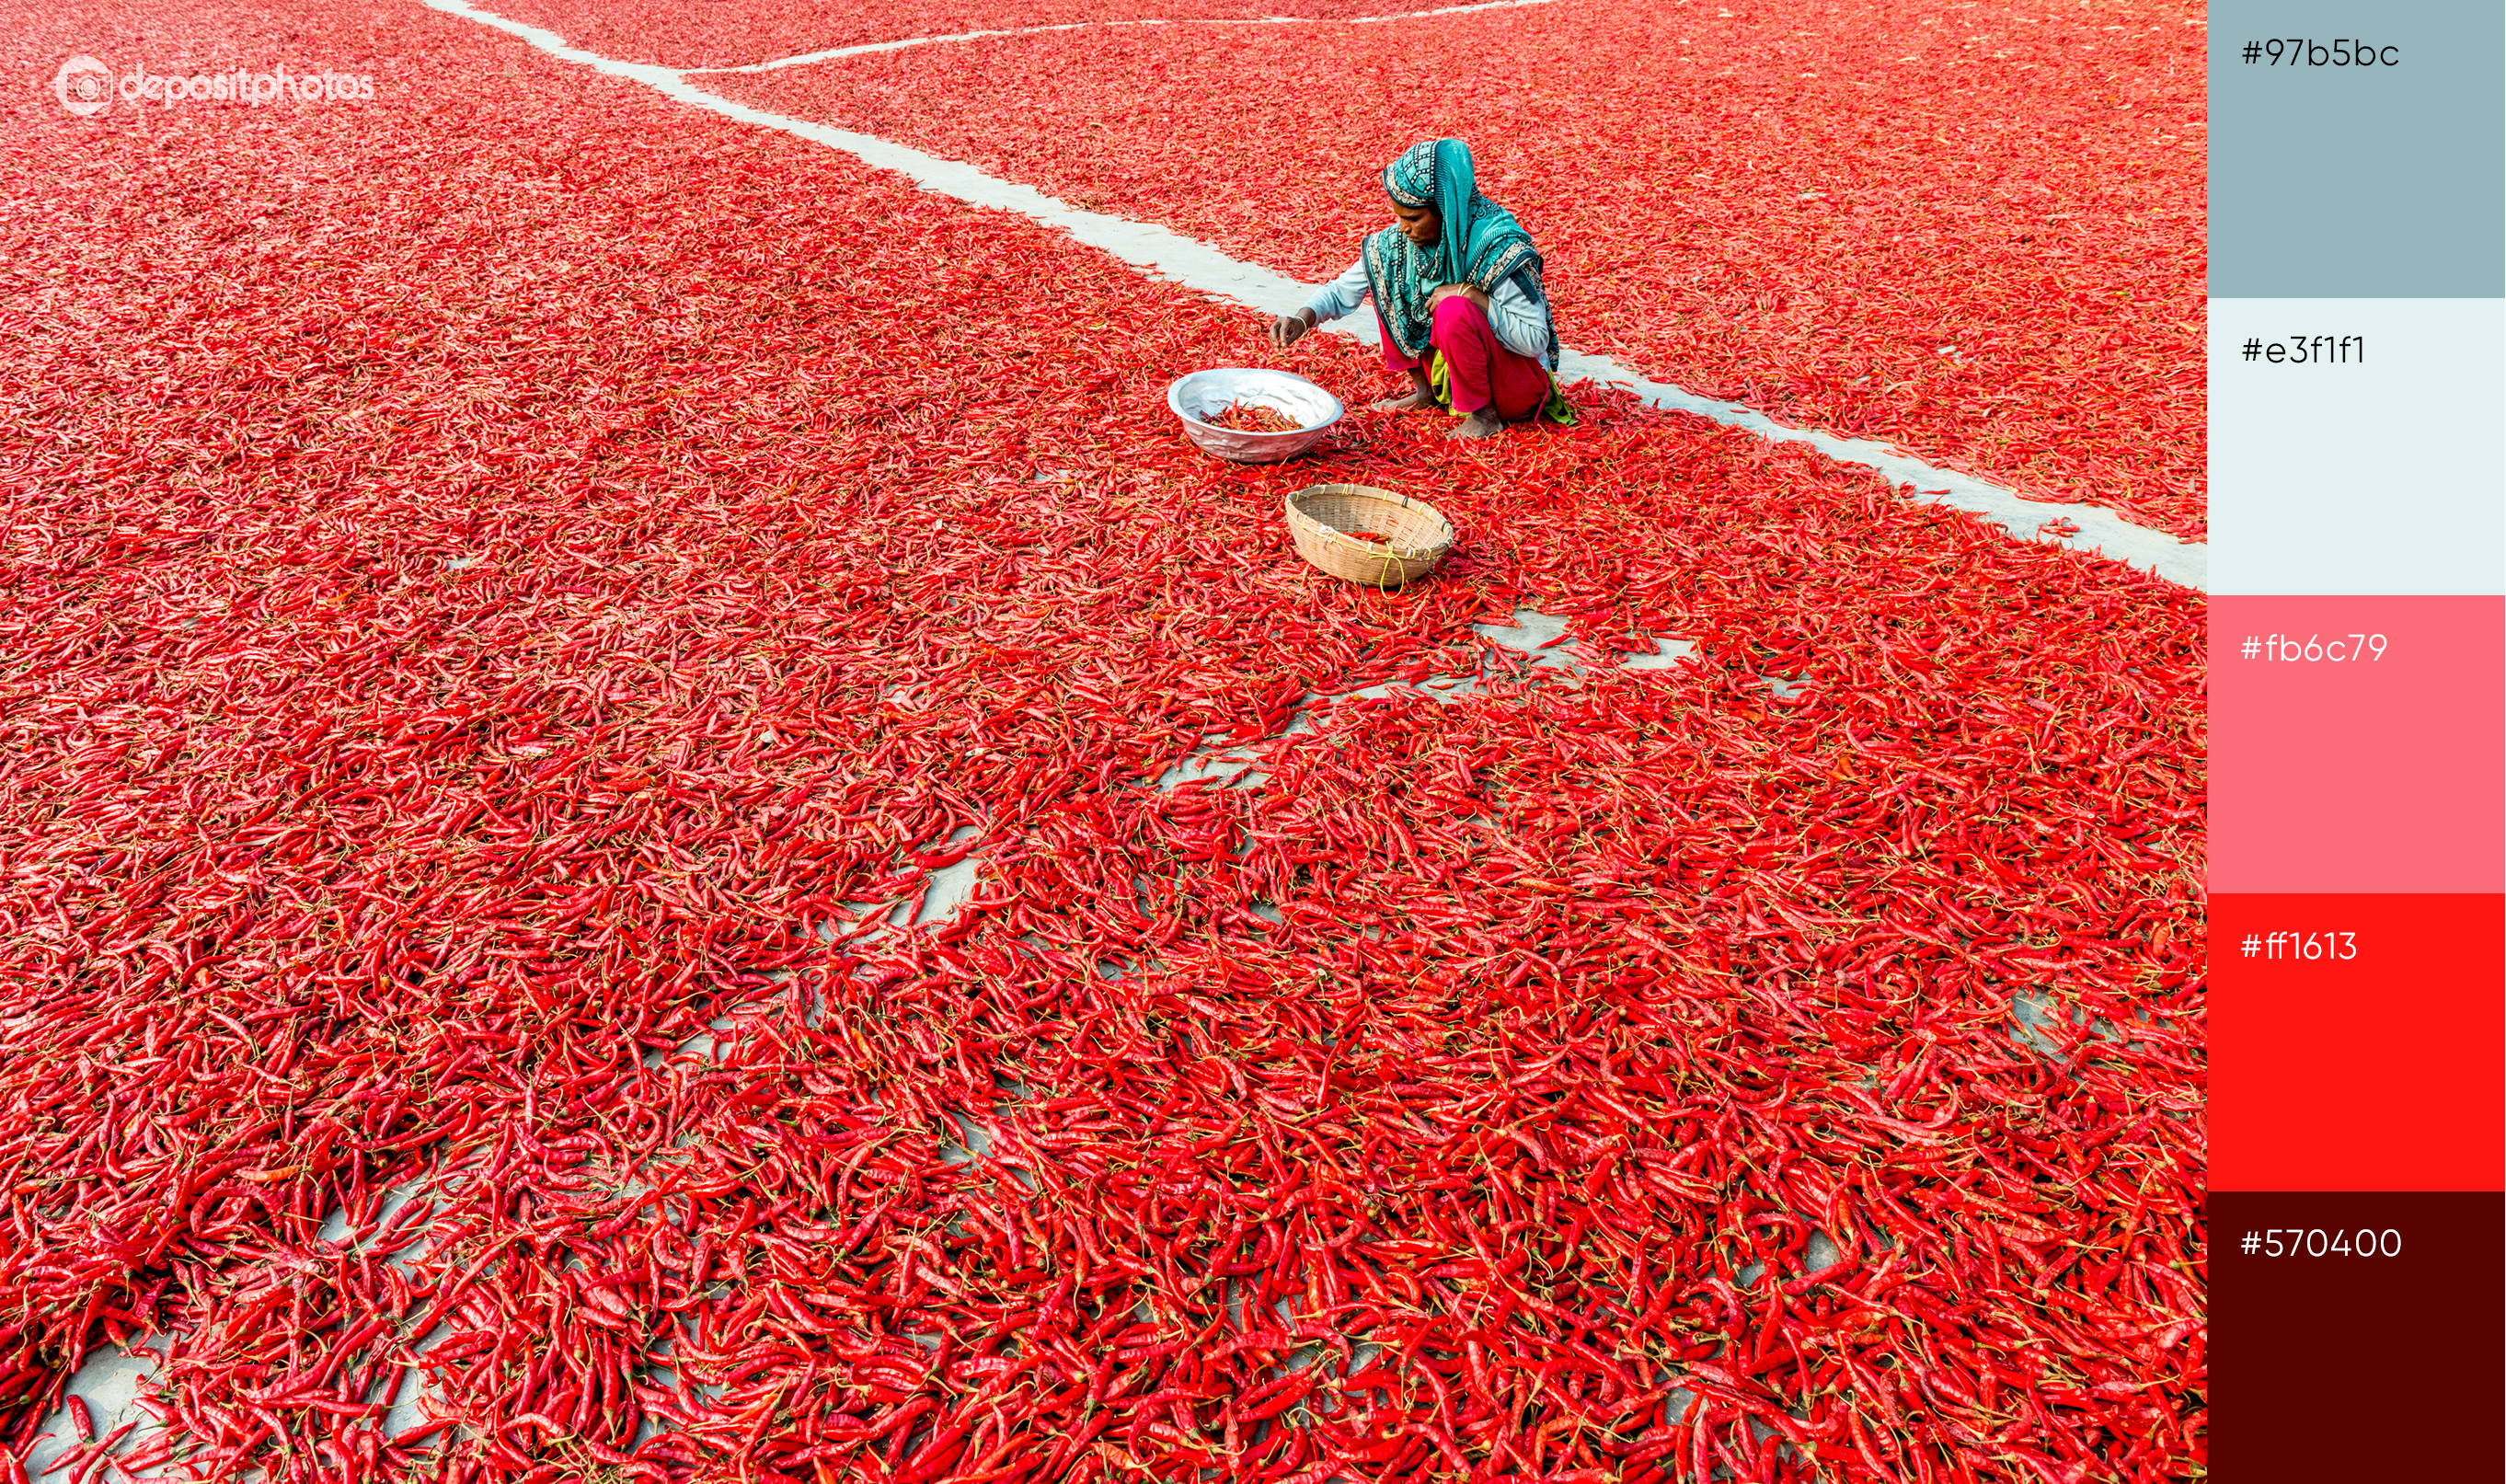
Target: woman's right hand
{"type": "Point", "coordinates": [1288, 329]}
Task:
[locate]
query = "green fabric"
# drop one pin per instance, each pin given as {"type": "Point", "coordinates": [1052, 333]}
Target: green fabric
{"type": "Point", "coordinates": [1480, 244]}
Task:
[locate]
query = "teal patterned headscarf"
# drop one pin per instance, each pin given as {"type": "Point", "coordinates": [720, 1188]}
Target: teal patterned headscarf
{"type": "Point", "coordinates": [1481, 245]}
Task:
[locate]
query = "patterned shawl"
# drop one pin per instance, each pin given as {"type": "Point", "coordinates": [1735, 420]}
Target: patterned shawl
{"type": "Point", "coordinates": [1482, 244]}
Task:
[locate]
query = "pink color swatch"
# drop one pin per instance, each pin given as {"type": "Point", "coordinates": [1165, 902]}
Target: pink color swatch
{"type": "Point", "coordinates": [2371, 772]}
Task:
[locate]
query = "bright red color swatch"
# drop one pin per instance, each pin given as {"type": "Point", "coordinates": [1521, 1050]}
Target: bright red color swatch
{"type": "Point", "coordinates": [2378, 1072]}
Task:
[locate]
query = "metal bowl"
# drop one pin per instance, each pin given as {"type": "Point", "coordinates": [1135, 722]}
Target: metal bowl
{"type": "Point", "coordinates": [1208, 393]}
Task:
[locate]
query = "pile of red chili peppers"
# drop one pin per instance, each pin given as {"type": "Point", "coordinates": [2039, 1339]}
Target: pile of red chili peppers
{"type": "Point", "coordinates": [670, 34]}
{"type": "Point", "coordinates": [1975, 233]}
{"type": "Point", "coordinates": [499, 597]}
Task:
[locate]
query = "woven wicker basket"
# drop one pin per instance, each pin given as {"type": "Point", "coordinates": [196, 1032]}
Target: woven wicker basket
{"type": "Point", "coordinates": [1416, 535]}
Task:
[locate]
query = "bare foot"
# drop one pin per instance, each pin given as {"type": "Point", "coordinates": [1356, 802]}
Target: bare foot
{"type": "Point", "coordinates": [1409, 403]}
{"type": "Point", "coordinates": [1478, 425]}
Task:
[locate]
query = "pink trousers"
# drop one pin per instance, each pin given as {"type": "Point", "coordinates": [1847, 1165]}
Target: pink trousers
{"type": "Point", "coordinates": [1482, 373]}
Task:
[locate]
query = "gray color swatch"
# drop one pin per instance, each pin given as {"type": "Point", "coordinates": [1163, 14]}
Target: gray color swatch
{"type": "Point", "coordinates": [2359, 182]}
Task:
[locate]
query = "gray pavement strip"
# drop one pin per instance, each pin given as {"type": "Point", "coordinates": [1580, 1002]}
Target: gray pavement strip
{"type": "Point", "coordinates": [1537, 635]}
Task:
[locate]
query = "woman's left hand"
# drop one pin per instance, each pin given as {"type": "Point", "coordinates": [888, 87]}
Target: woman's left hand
{"type": "Point", "coordinates": [1465, 290]}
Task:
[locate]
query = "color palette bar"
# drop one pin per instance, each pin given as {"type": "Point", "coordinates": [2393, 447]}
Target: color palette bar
{"type": "Point", "coordinates": [2357, 345]}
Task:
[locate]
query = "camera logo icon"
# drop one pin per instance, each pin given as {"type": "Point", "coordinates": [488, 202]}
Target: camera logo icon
{"type": "Point", "coordinates": [83, 87]}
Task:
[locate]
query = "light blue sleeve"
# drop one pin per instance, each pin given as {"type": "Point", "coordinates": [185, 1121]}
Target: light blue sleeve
{"type": "Point", "coordinates": [1342, 295]}
{"type": "Point", "coordinates": [1520, 319]}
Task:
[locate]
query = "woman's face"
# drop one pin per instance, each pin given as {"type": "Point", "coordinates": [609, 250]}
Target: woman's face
{"type": "Point", "coordinates": [1420, 223]}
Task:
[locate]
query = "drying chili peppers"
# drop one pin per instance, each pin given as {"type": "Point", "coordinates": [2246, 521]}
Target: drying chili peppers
{"type": "Point", "coordinates": [1253, 417]}
{"type": "Point", "coordinates": [490, 694]}
{"type": "Point", "coordinates": [1979, 235]}
{"type": "Point", "coordinates": [745, 32]}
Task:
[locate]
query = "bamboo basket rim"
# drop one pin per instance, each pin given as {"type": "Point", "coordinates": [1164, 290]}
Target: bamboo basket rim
{"type": "Point", "coordinates": [1297, 513]}
{"type": "Point", "coordinates": [1376, 565]}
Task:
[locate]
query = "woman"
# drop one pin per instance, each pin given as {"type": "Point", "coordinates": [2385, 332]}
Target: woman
{"type": "Point", "coordinates": [1457, 296]}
